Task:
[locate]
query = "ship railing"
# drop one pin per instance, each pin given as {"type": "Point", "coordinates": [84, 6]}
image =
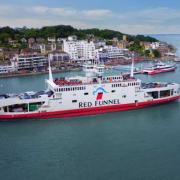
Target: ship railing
{"type": "Point", "coordinates": [96, 82]}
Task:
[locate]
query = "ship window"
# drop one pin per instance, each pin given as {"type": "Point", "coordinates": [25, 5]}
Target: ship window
{"type": "Point", "coordinates": [86, 93]}
{"type": "Point", "coordinates": [124, 96]}
{"type": "Point", "coordinates": [172, 91]}
{"type": "Point", "coordinates": [154, 94]}
{"type": "Point", "coordinates": [74, 101]}
{"type": "Point", "coordinates": [113, 91]}
{"type": "Point", "coordinates": [165, 93]}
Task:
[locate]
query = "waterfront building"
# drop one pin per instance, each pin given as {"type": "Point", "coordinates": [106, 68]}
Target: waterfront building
{"type": "Point", "coordinates": [79, 51]}
{"type": "Point", "coordinates": [31, 62]}
{"type": "Point", "coordinates": [111, 53]}
{"type": "Point", "coordinates": [7, 69]}
{"type": "Point", "coordinates": [101, 55]}
{"type": "Point", "coordinates": [115, 52]}
{"type": "Point", "coordinates": [59, 56]}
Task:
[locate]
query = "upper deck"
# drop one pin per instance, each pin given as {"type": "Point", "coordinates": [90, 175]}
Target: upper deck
{"type": "Point", "coordinates": [75, 81]}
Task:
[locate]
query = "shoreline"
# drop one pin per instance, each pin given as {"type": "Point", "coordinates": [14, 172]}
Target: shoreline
{"type": "Point", "coordinates": [35, 73]}
{"type": "Point", "coordinates": [138, 60]}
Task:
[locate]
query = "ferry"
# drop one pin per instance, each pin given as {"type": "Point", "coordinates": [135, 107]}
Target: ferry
{"type": "Point", "coordinates": [159, 68]}
{"type": "Point", "coordinates": [93, 68]}
{"type": "Point", "coordinates": [77, 96]}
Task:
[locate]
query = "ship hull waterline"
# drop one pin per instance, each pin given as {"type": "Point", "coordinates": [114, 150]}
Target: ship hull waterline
{"type": "Point", "coordinates": [86, 111]}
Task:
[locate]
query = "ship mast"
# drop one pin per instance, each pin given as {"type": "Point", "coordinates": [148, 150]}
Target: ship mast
{"type": "Point", "coordinates": [132, 66]}
{"type": "Point", "coordinates": [50, 72]}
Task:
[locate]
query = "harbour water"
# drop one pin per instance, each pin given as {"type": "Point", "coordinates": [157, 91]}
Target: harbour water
{"type": "Point", "coordinates": [138, 144]}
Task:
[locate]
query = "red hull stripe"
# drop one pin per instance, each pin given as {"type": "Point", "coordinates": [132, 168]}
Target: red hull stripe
{"type": "Point", "coordinates": [88, 111]}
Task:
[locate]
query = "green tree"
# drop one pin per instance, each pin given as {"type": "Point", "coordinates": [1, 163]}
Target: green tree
{"type": "Point", "coordinates": [147, 53]}
{"type": "Point", "coordinates": [156, 53]}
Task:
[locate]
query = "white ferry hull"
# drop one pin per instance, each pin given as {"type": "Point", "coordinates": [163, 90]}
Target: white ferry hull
{"type": "Point", "coordinates": [87, 111]}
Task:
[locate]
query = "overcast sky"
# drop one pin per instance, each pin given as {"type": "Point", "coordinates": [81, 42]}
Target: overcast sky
{"type": "Point", "coordinates": [128, 16]}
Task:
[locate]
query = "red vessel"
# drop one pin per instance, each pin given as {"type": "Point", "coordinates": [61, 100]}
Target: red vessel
{"type": "Point", "coordinates": [159, 68]}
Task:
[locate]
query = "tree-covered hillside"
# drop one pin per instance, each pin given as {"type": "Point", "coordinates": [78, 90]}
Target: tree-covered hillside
{"type": "Point", "coordinates": [62, 31]}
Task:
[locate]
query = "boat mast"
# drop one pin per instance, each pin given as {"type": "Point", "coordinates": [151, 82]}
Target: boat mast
{"type": "Point", "coordinates": [50, 72]}
{"type": "Point", "coordinates": [132, 66]}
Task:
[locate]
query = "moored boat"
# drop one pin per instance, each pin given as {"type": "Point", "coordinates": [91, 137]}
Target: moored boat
{"type": "Point", "coordinates": [159, 68]}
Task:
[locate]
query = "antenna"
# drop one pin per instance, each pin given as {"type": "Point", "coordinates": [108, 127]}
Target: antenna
{"type": "Point", "coordinates": [132, 66]}
{"type": "Point", "coordinates": [50, 72]}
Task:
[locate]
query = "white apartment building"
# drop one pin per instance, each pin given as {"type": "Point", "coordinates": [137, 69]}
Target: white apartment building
{"type": "Point", "coordinates": [7, 69]}
{"type": "Point", "coordinates": [30, 61]}
{"type": "Point", "coordinates": [155, 45]}
{"type": "Point", "coordinates": [79, 50]}
{"type": "Point", "coordinates": [101, 55]}
{"type": "Point", "coordinates": [110, 52]}
{"type": "Point", "coordinates": [58, 56]}
{"type": "Point", "coordinates": [114, 52]}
